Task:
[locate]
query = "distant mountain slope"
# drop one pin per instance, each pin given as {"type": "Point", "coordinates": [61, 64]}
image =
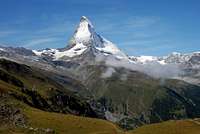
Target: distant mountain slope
{"type": "Point", "coordinates": [189, 64]}
{"type": "Point", "coordinates": [43, 90]}
{"type": "Point", "coordinates": [132, 99]}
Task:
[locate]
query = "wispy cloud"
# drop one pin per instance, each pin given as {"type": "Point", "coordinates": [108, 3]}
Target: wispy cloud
{"type": "Point", "coordinates": [138, 22]}
{"type": "Point", "coordinates": [150, 49]}
{"type": "Point", "coordinates": [57, 28]}
{"type": "Point", "coordinates": [136, 34]}
{"type": "Point", "coordinates": [45, 36]}
{"type": "Point", "coordinates": [7, 33]}
{"type": "Point", "coordinates": [124, 24]}
{"type": "Point", "coordinates": [145, 42]}
{"type": "Point", "coordinates": [40, 41]}
{"type": "Point", "coordinates": [48, 35]}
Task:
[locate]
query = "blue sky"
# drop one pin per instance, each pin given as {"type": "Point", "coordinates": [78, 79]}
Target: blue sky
{"type": "Point", "coordinates": [138, 27]}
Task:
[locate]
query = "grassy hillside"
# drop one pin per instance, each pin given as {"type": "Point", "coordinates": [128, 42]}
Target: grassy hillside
{"type": "Point", "coordinates": [69, 124]}
{"type": "Point", "coordinates": [41, 122]}
{"type": "Point", "coordinates": [170, 127]}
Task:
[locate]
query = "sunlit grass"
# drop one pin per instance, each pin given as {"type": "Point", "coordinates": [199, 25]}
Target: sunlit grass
{"type": "Point", "coordinates": [170, 127]}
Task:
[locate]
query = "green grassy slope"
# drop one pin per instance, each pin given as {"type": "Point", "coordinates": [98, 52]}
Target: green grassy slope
{"type": "Point", "coordinates": [42, 122]}
{"type": "Point", "coordinates": [170, 127]}
{"type": "Point", "coordinates": [69, 124]}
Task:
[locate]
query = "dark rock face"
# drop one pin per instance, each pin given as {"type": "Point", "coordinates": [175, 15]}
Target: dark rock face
{"type": "Point", "coordinates": [68, 64]}
{"type": "Point", "coordinates": [23, 51]}
{"type": "Point", "coordinates": [56, 101]}
{"type": "Point", "coordinates": [195, 59]}
{"type": "Point", "coordinates": [65, 103]}
{"type": "Point", "coordinates": [14, 67]}
{"type": "Point", "coordinates": [18, 50]}
{"type": "Point", "coordinates": [10, 79]}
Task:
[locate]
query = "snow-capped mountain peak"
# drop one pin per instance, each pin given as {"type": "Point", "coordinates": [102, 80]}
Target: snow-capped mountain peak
{"type": "Point", "coordinates": [85, 19]}
{"type": "Point", "coordinates": [84, 31]}
{"type": "Point", "coordinates": [86, 35]}
{"type": "Point", "coordinates": [85, 38]}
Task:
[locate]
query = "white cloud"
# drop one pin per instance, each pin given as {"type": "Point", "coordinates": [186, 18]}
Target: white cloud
{"type": "Point", "coordinates": [108, 72]}
{"type": "Point", "coordinates": [153, 69]}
